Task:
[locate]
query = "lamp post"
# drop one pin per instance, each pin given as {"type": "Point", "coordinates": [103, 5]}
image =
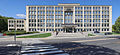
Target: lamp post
{"type": "Point", "coordinates": [15, 30]}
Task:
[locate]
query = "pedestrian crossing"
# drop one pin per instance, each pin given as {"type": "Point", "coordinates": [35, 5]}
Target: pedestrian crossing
{"type": "Point", "coordinates": [42, 50]}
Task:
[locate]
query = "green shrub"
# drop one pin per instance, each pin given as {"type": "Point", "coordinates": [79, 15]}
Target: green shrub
{"type": "Point", "coordinates": [13, 33]}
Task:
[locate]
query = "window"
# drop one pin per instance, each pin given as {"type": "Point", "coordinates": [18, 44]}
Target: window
{"type": "Point", "coordinates": [55, 12]}
{"type": "Point", "coordinates": [52, 8]}
{"type": "Point", "coordinates": [85, 16]}
{"type": "Point", "coordinates": [55, 8]}
{"type": "Point", "coordinates": [38, 17]}
{"type": "Point", "coordinates": [84, 8]}
{"type": "Point", "coordinates": [58, 8]}
{"type": "Point", "coordinates": [29, 16]}
{"type": "Point", "coordinates": [81, 8]}
{"type": "Point", "coordinates": [47, 8]}
{"type": "Point", "coordinates": [29, 8]}
{"type": "Point", "coordinates": [43, 8]}
{"type": "Point", "coordinates": [81, 16]}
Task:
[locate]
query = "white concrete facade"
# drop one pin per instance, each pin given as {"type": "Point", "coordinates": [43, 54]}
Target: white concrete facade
{"type": "Point", "coordinates": [52, 17]}
{"type": "Point", "coordinates": [18, 24]}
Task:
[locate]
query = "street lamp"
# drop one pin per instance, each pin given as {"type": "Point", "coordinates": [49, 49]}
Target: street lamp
{"type": "Point", "coordinates": [15, 30]}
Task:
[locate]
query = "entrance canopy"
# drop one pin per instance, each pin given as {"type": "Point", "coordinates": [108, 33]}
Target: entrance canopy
{"type": "Point", "coordinates": [69, 25]}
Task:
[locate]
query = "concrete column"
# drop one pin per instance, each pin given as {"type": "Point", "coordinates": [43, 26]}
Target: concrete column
{"type": "Point", "coordinates": [83, 17]}
{"type": "Point", "coordinates": [8, 24]}
{"type": "Point", "coordinates": [92, 18]}
{"type": "Point", "coordinates": [36, 19]}
{"type": "Point", "coordinates": [65, 30]}
{"type": "Point", "coordinates": [54, 17]}
{"type": "Point", "coordinates": [63, 16]}
{"type": "Point", "coordinates": [110, 19]}
{"type": "Point", "coordinates": [100, 18]}
{"type": "Point", "coordinates": [27, 19]}
{"type": "Point", "coordinates": [45, 18]}
{"type": "Point", "coordinates": [74, 15]}
{"type": "Point", "coordinates": [72, 29]}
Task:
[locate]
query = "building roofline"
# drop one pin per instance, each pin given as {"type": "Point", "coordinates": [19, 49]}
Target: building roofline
{"type": "Point", "coordinates": [17, 19]}
{"type": "Point", "coordinates": [68, 3]}
{"type": "Point", "coordinates": [73, 5]}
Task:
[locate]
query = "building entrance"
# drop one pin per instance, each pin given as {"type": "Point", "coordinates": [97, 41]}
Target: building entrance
{"type": "Point", "coordinates": [69, 28]}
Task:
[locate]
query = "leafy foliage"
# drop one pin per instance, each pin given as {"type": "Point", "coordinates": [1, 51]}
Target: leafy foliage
{"type": "Point", "coordinates": [4, 23]}
{"type": "Point", "coordinates": [116, 26]}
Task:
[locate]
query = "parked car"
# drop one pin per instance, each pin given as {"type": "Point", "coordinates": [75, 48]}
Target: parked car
{"type": "Point", "coordinates": [96, 32]}
{"type": "Point", "coordinates": [108, 33]}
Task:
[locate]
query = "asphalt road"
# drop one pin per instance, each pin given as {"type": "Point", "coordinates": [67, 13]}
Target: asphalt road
{"type": "Point", "coordinates": [64, 40]}
{"type": "Point", "coordinates": [113, 44]}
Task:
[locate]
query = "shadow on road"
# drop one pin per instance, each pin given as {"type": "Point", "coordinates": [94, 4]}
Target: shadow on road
{"type": "Point", "coordinates": [5, 50]}
{"type": "Point", "coordinates": [83, 49]}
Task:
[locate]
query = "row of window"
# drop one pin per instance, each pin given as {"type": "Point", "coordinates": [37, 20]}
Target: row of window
{"type": "Point", "coordinates": [94, 25]}
{"type": "Point", "coordinates": [60, 12]}
{"type": "Point", "coordinates": [68, 13]}
{"type": "Point", "coordinates": [61, 8]}
{"type": "Point", "coordinates": [89, 20]}
{"type": "Point", "coordinates": [89, 12]}
{"type": "Point", "coordinates": [43, 25]}
{"type": "Point", "coordinates": [60, 25]}
{"type": "Point", "coordinates": [48, 21]}
{"type": "Point", "coordinates": [47, 8]}
{"type": "Point", "coordinates": [47, 12]}
{"type": "Point", "coordinates": [19, 21]}
{"type": "Point", "coordinates": [90, 16]}
{"type": "Point", "coordinates": [94, 29]}
{"type": "Point", "coordinates": [67, 17]}
{"type": "Point", "coordinates": [69, 20]}
{"type": "Point", "coordinates": [51, 16]}
{"type": "Point", "coordinates": [16, 26]}
{"type": "Point", "coordinates": [89, 8]}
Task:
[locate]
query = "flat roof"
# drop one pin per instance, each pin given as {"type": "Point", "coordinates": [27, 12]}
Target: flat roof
{"type": "Point", "coordinates": [69, 4]}
{"type": "Point", "coordinates": [74, 5]}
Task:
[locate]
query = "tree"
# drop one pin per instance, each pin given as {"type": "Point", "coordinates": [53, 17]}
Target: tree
{"type": "Point", "coordinates": [4, 23]}
{"type": "Point", "coordinates": [116, 26]}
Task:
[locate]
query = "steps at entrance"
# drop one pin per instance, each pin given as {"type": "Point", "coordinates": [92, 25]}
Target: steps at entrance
{"type": "Point", "coordinates": [70, 35]}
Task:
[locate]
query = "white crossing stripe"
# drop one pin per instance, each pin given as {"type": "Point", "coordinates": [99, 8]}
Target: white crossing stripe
{"type": "Point", "coordinates": [41, 50]}
{"type": "Point", "coordinates": [50, 52]}
{"type": "Point", "coordinates": [47, 52]}
{"type": "Point", "coordinates": [31, 47]}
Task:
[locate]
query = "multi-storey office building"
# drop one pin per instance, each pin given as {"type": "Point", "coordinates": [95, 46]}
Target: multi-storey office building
{"type": "Point", "coordinates": [69, 18]}
{"type": "Point", "coordinates": [18, 24]}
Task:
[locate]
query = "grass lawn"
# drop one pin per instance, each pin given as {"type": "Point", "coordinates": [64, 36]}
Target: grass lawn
{"type": "Point", "coordinates": [91, 35]}
{"type": "Point", "coordinates": [115, 33]}
{"type": "Point", "coordinates": [37, 36]}
{"type": "Point", "coordinates": [18, 32]}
